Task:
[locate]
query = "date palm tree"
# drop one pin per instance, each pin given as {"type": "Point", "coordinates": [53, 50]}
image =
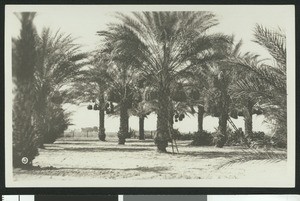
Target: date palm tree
{"type": "Point", "coordinates": [141, 109]}
{"type": "Point", "coordinates": [268, 84]}
{"type": "Point", "coordinates": [122, 92]}
{"type": "Point", "coordinates": [244, 105]}
{"type": "Point", "coordinates": [164, 44]}
{"type": "Point", "coordinates": [197, 85]}
{"type": "Point", "coordinates": [92, 85]}
{"type": "Point", "coordinates": [223, 75]}
{"type": "Point", "coordinates": [140, 106]}
{"type": "Point", "coordinates": [58, 64]}
{"type": "Point", "coordinates": [87, 89]}
{"type": "Point", "coordinates": [107, 80]}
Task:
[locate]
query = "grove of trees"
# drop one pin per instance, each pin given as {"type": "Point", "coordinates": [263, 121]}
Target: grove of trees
{"type": "Point", "coordinates": [167, 63]}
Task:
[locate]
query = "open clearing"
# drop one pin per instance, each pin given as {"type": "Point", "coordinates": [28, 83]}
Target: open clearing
{"type": "Point", "coordinates": [76, 159]}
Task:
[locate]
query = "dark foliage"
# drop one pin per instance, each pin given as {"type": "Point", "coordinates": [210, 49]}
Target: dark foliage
{"type": "Point", "coordinates": [256, 139]}
{"type": "Point", "coordinates": [25, 134]}
{"type": "Point", "coordinates": [203, 138]}
{"type": "Point", "coordinates": [130, 133]}
{"type": "Point", "coordinates": [56, 123]}
{"type": "Point", "coordinates": [234, 138]}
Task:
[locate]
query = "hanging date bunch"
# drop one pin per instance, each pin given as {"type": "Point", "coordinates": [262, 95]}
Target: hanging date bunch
{"type": "Point", "coordinates": [179, 116]}
{"type": "Point", "coordinates": [109, 108]}
{"type": "Point", "coordinates": [95, 107]}
{"type": "Point", "coordinates": [90, 107]}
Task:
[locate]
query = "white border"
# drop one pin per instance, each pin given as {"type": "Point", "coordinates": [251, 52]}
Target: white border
{"type": "Point", "coordinates": [290, 180]}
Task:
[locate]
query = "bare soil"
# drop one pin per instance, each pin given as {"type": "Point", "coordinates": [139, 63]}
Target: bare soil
{"type": "Point", "coordinates": [75, 159]}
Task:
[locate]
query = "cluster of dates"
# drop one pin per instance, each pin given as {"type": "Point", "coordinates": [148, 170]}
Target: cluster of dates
{"type": "Point", "coordinates": [179, 117]}
{"type": "Point", "coordinates": [109, 107]}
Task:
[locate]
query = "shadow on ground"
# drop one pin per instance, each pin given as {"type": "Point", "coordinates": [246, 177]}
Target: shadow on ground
{"type": "Point", "coordinates": [244, 156]}
{"type": "Point", "coordinates": [42, 170]}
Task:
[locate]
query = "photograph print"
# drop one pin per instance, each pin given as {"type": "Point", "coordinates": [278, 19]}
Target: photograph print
{"type": "Point", "coordinates": [150, 96]}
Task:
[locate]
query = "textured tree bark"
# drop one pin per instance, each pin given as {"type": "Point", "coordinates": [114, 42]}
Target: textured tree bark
{"type": "Point", "coordinates": [123, 131]}
{"type": "Point", "coordinates": [171, 123]}
{"type": "Point", "coordinates": [248, 118]}
{"type": "Point", "coordinates": [101, 132]}
{"type": "Point", "coordinates": [222, 129]}
{"type": "Point", "coordinates": [141, 128]}
{"type": "Point", "coordinates": [222, 138]}
{"type": "Point", "coordinates": [200, 118]}
{"type": "Point", "coordinates": [162, 136]}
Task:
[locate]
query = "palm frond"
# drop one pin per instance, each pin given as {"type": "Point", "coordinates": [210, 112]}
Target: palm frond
{"type": "Point", "coordinates": [274, 42]}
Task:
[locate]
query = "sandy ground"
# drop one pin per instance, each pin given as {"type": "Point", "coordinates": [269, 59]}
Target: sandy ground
{"type": "Point", "coordinates": [74, 159]}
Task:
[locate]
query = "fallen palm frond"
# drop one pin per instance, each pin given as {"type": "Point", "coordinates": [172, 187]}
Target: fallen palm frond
{"type": "Point", "coordinates": [252, 154]}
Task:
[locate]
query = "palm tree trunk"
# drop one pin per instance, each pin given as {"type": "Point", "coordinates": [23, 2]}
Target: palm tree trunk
{"type": "Point", "coordinates": [163, 117]}
{"type": "Point", "coordinates": [248, 126]}
{"type": "Point", "coordinates": [222, 138]}
{"type": "Point", "coordinates": [198, 135]}
{"type": "Point", "coordinates": [123, 131]}
{"type": "Point", "coordinates": [248, 118]}
{"type": "Point", "coordinates": [101, 132]}
{"type": "Point", "coordinates": [222, 129]}
{"type": "Point", "coordinates": [171, 123]}
{"type": "Point", "coordinates": [141, 128]}
{"type": "Point", "coordinates": [200, 118]}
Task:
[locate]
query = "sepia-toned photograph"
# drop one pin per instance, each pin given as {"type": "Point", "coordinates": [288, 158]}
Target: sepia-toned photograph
{"type": "Point", "coordinates": [150, 95]}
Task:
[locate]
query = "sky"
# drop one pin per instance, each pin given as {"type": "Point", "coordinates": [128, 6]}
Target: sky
{"type": "Point", "coordinates": [84, 21]}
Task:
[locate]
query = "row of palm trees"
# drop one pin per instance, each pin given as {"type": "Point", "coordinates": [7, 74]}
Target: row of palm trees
{"type": "Point", "coordinates": [163, 62]}
{"type": "Point", "coordinates": [168, 63]}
